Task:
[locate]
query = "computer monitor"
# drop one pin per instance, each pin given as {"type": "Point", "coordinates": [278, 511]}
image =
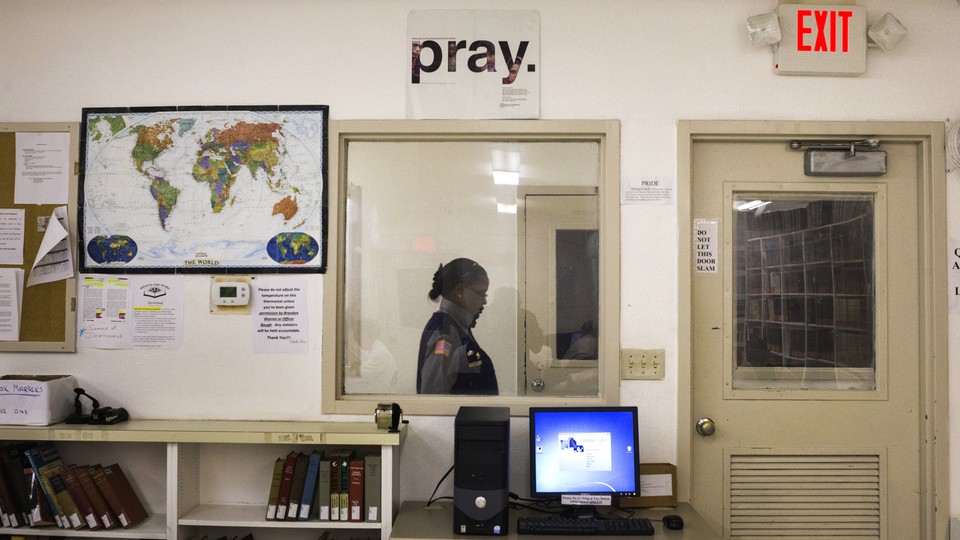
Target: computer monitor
{"type": "Point", "coordinates": [576, 452]}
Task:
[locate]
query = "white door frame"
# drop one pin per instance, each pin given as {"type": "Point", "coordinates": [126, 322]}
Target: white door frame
{"type": "Point", "coordinates": [929, 136]}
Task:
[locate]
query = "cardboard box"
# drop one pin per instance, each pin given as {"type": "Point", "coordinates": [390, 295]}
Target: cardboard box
{"type": "Point", "coordinates": [36, 400]}
{"type": "Point", "coordinates": [658, 487]}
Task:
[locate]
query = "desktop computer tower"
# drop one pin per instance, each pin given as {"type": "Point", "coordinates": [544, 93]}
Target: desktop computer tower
{"type": "Point", "coordinates": [481, 475]}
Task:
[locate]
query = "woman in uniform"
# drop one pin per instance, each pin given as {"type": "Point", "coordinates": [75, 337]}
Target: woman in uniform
{"type": "Point", "coordinates": [450, 359]}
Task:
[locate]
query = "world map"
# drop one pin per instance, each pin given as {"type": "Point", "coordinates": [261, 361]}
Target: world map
{"type": "Point", "coordinates": [208, 188]}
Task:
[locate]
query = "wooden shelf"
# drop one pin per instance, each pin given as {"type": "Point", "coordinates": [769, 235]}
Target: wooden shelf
{"type": "Point", "coordinates": [211, 431]}
{"type": "Point", "coordinates": [187, 447]}
{"type": "Point", "coordinates": [155, 527]}
{"type": "Point", "coordinates": [251, 516]}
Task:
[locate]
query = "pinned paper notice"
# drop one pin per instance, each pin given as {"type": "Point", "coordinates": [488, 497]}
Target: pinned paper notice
{"type": "Point", "coordinates": [705, 232]}
{"type": "Point", "coordinates": [55, 257]}
{"type": "Point", "coordinates": [42, 168]}
{"type": "Point", "coordinates": [11, 303]}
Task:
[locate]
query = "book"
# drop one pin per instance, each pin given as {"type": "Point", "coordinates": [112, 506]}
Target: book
{"type": "Point", "coordinates": [6, 503]}
{"type": "Point", "coordinates": [44, 459]}
{"type": "Point", "coordinates": [335, 485]}
{"type": "Point", "coordinates": [371, 486]}
{"type": "Point", "coordinates": [355, 490]}
{"type": "Point", "coordinates": [322, 501]}
{"type": "Point", "coordinates": [310, 486]}
{"type": "Point", "coordinates": [345, 457]}
{"type": "Point", "coordinates": [100, 505]}
{"type": "Point", "coordinates": [71, 513]}
{"type": "Point", "coordinates": [119, 494]}
{"type": "Point", "coordinates": [80, 498]}
{"type": "Point", "coordinates": [41, 515]}
{"type": "Point", "coordinates": [296, 486]}
{"type": "Point", "coordinates": [274, 489]}
{"type": "Point", "coordinates": [286, 481]}
{"type": "Point", "coordinates": [16, 482]}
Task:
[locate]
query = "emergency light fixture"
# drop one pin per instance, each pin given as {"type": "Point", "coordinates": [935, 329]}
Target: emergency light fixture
{"type": "Point", "coordinates": [822, 39]}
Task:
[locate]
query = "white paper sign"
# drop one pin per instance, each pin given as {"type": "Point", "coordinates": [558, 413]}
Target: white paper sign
{"type": "Point", "coordinates": [11, 303]}
{"type": "Point", "coordinates": [647, 190]}
{"type": "Point", "coordinates": [656, 485]}
{"type": "Point", "coordinates": [42, 168]}
{"type": "Point", "coordinates": [279, 316]}
{"type": "Point", "coordinates": [130, 312]}
{"type": "Point", "coordinates": [11, 236]}
{"type": "Point", "coordinates": [473, 64]}
{"type": "Point", "coordinates": [705, 255]}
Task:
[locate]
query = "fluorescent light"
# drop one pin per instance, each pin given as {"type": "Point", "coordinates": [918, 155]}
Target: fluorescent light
{"type": "Point", "coordinates": [506, 178]}
{"type": "Point", "coordinates": [747, 206]}
{"type": "Point", "coordinates": [506, 208]}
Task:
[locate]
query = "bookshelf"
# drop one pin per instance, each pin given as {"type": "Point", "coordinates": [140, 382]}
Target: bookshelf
{"type": "Point", "coordinates": [210, 477]}
{"type": "Point", "coordinates": [804, 286]}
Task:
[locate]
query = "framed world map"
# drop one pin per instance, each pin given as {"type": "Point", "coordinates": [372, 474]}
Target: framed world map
{"type": "Point", "coordinates": [203, 189]}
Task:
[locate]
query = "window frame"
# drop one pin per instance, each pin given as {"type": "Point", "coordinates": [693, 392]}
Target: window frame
{"type": "Point", "coordinates": [606, 133]}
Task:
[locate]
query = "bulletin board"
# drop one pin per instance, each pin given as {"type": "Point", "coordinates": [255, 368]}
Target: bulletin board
{"type": "Point", "coordinates": [48, 314]}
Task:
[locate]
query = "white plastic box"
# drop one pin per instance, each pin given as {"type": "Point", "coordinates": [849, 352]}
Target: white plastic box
{"type": "Point", "coordinates": [36, 400]}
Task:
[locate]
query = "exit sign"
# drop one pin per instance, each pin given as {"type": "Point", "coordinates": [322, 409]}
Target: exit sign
{"type": "Point", "coordinates": [821, 40]}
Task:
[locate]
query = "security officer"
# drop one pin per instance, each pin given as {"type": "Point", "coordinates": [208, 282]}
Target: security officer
{"type": "Point", "coordinates": [450, 359]}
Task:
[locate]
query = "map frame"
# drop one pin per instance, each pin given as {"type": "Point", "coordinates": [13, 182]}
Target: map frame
{"type": "Point", "coordinates": [87, 209]}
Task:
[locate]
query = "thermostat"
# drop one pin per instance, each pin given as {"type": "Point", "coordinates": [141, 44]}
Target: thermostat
{"type": "Point", "coordinates": [230, 293]}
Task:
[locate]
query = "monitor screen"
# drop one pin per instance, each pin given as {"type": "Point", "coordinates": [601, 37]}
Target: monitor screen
{"type": "Point", "coordinates": [584, 450]}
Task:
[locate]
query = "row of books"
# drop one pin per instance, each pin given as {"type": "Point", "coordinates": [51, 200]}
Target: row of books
{"type": "Point", "coordinates": [38, 489]}
{"type": "Point", "coordinates": [338, 485]}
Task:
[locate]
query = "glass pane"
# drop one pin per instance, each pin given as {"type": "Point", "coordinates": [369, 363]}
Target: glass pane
{"type": "Point", "coordinates": [804, 292]}
{"type": "Point", "coordinates": [578, 294]}
{"type": "Point", "coordinates": [413, 206]}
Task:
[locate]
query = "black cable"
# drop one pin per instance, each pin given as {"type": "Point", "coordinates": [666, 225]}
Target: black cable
{"type": "Point", "coordinates": [432, 500]}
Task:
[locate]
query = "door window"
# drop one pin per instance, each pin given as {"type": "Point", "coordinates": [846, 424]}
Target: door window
{"type": "Point", "coordinates": [804, 291]}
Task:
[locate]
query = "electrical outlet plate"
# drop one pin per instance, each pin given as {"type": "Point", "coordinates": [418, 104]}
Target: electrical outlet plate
{"type": "Point", "coordinates": [641, 364]}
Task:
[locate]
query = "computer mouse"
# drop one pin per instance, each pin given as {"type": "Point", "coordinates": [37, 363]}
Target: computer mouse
{"type": "Point", "coordinates": [673, 522]}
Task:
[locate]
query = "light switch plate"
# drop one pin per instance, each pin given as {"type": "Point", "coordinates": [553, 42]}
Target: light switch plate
{"type": "Point", "coordinates": [641, 364]}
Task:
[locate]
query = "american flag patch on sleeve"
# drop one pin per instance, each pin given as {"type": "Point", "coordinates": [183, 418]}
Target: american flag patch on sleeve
{"type": "Point", "coordinates": [442, 347]}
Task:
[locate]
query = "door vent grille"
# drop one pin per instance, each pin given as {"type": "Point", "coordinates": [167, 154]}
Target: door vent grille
{"type": "Point", "coordinates": [800, 497]}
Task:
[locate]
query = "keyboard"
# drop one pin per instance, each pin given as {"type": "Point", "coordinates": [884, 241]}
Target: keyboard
{"type": "Point", "coordinates": [554, 525]}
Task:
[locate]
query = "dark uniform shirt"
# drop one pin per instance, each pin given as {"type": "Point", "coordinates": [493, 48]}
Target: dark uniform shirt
{"type": "Point", "coordinates": [451, 361]}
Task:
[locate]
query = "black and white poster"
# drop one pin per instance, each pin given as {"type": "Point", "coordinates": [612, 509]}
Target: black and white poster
{"type": "Point", "coordinates": [473, 64]}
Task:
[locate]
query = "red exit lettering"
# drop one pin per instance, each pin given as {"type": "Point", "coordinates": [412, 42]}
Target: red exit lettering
{"type": "Point", "coordinates": [830, 25]}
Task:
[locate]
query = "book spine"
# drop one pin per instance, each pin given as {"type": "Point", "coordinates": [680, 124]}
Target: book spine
{"type": "Point", "coordinates": [371, 486]}
{"type": "Point", "coordinates": [310, 487]}
{"type": "Point", "coordinates": [100, 504]}
{"type": "Point", "coordinates": [355, 490]}
{"type": "Point", "coordinates": [70, 511]}
{"type": "Point", "coordinates": [286, 481]}
{"type": "Point", "coordinates": [345, 458]}
{"type": "Point", "coordinates": [323, 490]}
{"type": "Point", "coordinates": [13, 473]}
{"type": "Point", "coordinates": [335, 486]}
{"type": "Point", "coordinates": [274, 489]}
{"type": "Point", "coordinates": [40, 457]}
{"type": "Point", "coordinates": [84, 506]}
{"type": "Point", "coordinates": [296, 488]}
{"type": "Point", "coordinates": [133, 509]}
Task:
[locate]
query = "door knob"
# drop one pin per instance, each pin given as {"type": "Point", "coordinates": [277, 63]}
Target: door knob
{"type": "Point", "coordinates": [538, 385]}
{"type": "Point", "coordinates": [706, 427]}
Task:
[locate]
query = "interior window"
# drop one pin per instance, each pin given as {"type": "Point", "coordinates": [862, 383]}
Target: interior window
{"type": "Point", "coordinates": [523, 210]}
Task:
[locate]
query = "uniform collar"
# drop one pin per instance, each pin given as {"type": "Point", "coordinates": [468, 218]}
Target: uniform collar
{"type": "Point", "coordinates": [462, 316]}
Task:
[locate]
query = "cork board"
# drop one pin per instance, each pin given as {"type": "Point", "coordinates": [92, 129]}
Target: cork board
{"type": "Point", "coordinates": [48, 313]}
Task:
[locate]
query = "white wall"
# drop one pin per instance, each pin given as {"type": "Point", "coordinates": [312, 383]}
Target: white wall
{"type": "Point", "coordinates": [647, 63]}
